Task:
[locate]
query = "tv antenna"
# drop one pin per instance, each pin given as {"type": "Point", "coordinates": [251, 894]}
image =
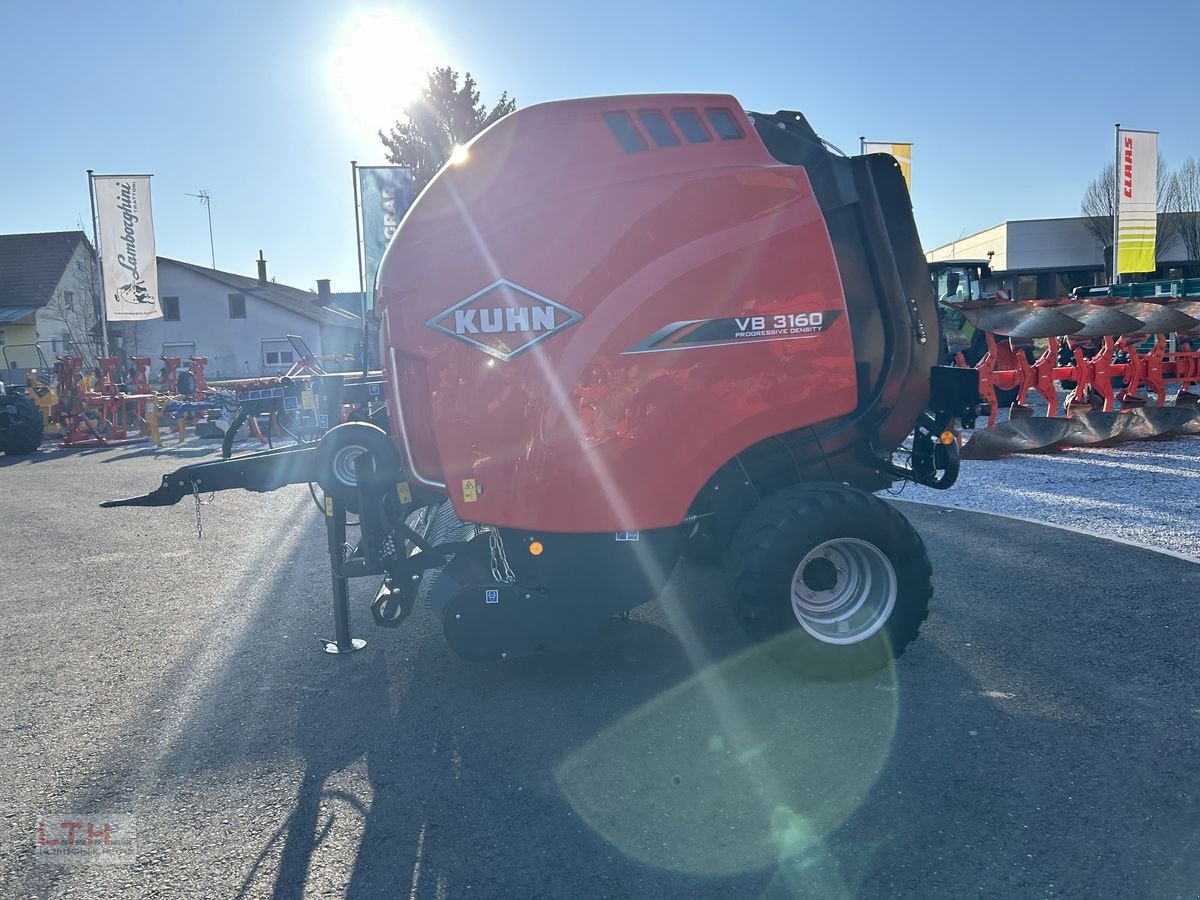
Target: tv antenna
{"type": "Point", "coordinates": [206, 198]}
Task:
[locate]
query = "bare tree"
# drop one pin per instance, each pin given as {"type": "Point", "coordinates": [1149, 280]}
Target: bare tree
{"type": "Point", "coordinates": [1185, 212]}
{"type": "Point", "coordinates": [1098, 207]}
{"type": "Point", "coordinates": [77, 306]}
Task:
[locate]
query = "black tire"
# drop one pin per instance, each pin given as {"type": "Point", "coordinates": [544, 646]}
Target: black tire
{"type": "Point", "coordinates": [23, 433]}
{"type": "Point", "coordinates": [341, 445]}
{"type": "Point", "coordinates": [851, 526]}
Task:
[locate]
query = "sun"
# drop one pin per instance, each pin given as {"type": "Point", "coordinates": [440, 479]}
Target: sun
{"type": "Point", "coordinates": [379, 65]}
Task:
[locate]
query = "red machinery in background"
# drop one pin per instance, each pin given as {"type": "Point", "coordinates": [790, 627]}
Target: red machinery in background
{"type": "Point", "coordinates": [1118, 364]}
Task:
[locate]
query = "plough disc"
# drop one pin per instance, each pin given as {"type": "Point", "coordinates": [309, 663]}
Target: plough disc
{"type": "Point", "coordinates": [1156, 318]}
{"type": "Point", "coordinates": [1188, 308]}
{"type": "Point", "coordinates": [1192, 425]}
{"type": "Point", "coordinates": [1022, 322]}
{"type": "Point", "coordinates": [1018, 436]}
{"type": "Point", "coordinates": [1098, 429]}
{"type": "Point", "coordinates": [1099, 321]}
{"type": "Point", "coordinates": [1169, 421]}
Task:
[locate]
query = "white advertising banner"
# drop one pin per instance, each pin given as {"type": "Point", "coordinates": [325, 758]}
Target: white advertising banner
{"type": "Point", "coordinates": [128, 264]}
{"type": "Point", "coordinates": [1137, 201]}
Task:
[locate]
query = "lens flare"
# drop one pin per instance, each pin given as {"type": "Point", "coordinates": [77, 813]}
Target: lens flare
{"type": "Point", "coordinates": [378, 67]}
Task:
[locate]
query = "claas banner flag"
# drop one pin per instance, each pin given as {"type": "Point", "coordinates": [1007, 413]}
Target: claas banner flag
{"type": "Point", "coordinates": [1137, 201]}
{"type": "Point", "coordinates": [386, 193]}
{"type": "Point", "coordinates": [902, 152]}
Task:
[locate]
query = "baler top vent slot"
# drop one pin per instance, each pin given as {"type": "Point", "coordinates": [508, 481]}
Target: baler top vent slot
{"type": "Point", "coordinates": [658, 127]}
{"type": "Point", "coordinates": [626, 133]}
{"type": "Point", "coordinates": [656, 124]}
{"type": "Point", "coordinates": [689, 122]}
{"type": "Point", "coordinates": [725, 125]}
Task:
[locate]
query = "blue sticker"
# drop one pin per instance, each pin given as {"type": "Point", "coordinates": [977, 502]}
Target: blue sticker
{"type": "Point", "coordinates": [322, 421]}
{"type": "Point", "coordinates": [492, 596]}
{"type": "Point", "coordinates": [291, 402]}
{"type": "Point", "coordinates": [629, 535]}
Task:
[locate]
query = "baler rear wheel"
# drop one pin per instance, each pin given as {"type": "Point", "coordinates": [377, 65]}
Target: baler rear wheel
{"type": "Point", "coordinates": [23, 435]}
{"type": "Point", "coordinates": [837, 570]}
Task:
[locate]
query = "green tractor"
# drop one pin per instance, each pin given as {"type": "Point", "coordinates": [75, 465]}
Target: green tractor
{"type": "Point", "coordinates": [958, 281]}
{"type": "Point", "coordinates": [20, 421]}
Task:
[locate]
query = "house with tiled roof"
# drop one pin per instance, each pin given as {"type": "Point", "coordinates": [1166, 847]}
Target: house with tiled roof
{"type": "Point", "coordinates": [46, 297]}
{"type": "Point", "coordinates": [240, 322]}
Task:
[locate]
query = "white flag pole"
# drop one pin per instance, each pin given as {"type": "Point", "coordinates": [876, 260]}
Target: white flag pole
{"type": "Point", "coordinates": [1116, 276]}
{"type": "Point", "coordinates": [99, 273]}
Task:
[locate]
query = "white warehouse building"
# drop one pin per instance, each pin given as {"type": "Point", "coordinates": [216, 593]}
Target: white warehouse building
{"type": "Point", "coordinates": [1034, 258]}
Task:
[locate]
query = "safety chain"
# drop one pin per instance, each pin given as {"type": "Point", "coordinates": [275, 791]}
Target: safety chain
{"type": "Point", "coordinates": [500, 568]}
{"type": "Point", "coordinates": [200, 504]}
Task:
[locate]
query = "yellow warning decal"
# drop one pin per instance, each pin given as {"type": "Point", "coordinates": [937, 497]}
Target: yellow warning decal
{"type": "Point", "coordinates": [470, 494]}
{"type": "Point", "coordinates": [404, 492]}
{"type": "Point", "coordinates": [328, 505]}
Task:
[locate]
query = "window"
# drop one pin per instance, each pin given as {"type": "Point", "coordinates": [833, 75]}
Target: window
{"type": "Point", "coordinates": [182, 349]}
{"type": "Point", "coordinates": [277, 352]}
{"type": "Point", "coordinates": [170, 308]}
{"type": "Point", "coordinates": [237, 306]}
{"type": "Point", "coordinates": [272, 358]}
{"type": "Point", "coordinates": [725, 125]}
{"type": "Point", "coordinates": [69, 299]}
{"type": "Point", "coordinates": [659, 130]}
{"type": "Point", "coordinates": [688, 121]}
{"type": "Point", "coordinates": [626, 133]}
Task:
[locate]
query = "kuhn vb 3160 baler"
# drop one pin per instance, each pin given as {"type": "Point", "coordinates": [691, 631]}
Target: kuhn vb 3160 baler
{"type": "Point", "coordinates": [617, 329]}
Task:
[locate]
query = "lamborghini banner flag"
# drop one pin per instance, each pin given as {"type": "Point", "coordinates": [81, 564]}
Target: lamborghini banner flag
{"type": "Point", "coordinates": [902, 153]}
{"type": "Point", "coordinates": [1137, 201]}
{"type": "Point", "coordinates": [128, 265]}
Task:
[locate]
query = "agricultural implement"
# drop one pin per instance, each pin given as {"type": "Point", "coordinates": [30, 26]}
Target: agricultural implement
{"type": "Point", "coordinates": [617, 329]}
{"type": "Point", "coordinates": [1109, 360]}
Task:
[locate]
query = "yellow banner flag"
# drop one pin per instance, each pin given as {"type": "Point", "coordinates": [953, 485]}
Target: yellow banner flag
{"type": "Point", "coordinates": [902, 153]}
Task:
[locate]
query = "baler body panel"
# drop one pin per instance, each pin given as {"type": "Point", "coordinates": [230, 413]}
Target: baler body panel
{"type": "Point", "coordinates": [579, 336]}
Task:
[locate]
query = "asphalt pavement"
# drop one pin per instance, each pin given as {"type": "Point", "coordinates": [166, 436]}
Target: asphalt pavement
{"type": "Point", "coordinates": [1040, 739]}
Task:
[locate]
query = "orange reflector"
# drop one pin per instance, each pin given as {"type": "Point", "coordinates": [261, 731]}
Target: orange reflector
{"type": "Point", "coordinates": [947, 438]}
{"type": "Point", "coordinates": [536, 548]}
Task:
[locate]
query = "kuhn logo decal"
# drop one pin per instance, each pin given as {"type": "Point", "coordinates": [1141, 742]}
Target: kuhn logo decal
{"type": "Point", "coordinates": [504, 319]}
{"type": "Point", "coordinates": [697, 333]}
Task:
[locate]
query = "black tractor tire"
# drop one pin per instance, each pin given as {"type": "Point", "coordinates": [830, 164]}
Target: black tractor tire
{"type": "Point", "coordinates": [834, 578]}
{"type": "Point", "coordinates": [23, 434]}
{"type": "Point", "coordinates": [340, 446]}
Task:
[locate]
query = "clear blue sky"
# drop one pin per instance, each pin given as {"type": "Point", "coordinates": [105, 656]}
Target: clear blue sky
{"type": "Point", "coordinates": [1010, 105]}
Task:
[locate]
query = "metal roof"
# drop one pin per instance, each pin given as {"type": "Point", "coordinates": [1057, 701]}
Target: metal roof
{"type": "Point", "coordinates": [16, 313]}
{"type": "Point", "coordinates": [31, 265]}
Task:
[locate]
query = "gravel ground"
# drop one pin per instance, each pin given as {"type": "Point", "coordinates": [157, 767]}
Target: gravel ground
{"type": "Point", "coordinates": [1141, 491]}
{"type": "Point", "coordinates": [1032, 743]}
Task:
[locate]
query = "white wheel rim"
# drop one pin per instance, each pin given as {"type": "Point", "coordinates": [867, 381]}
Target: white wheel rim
{"type": "Point", "coordinates": [843, 591]}
{"type": "Point", "coordinates": [343, 464]}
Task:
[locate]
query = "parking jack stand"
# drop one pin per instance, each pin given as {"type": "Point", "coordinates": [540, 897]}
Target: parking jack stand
{"type": "Point", "coordinates": [335, 529]}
